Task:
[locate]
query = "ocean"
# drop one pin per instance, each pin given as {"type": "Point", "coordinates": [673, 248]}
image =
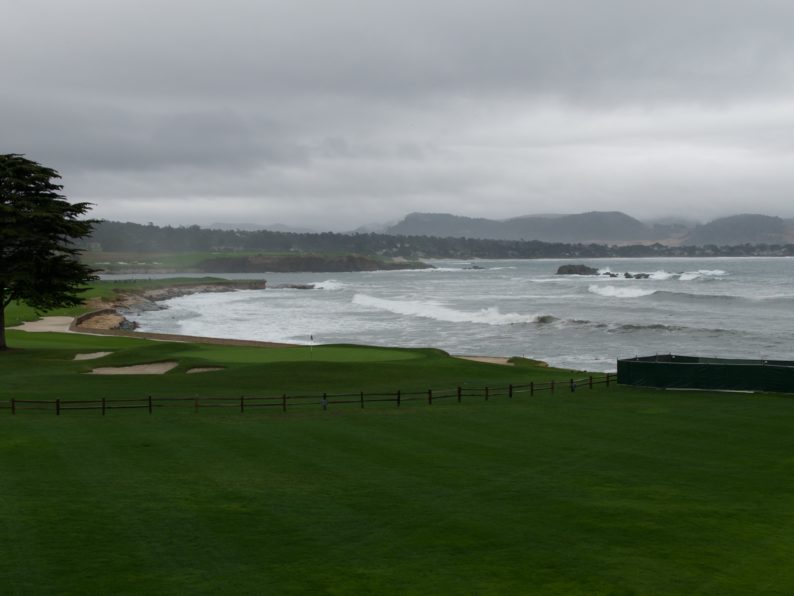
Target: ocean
{"type": "Point", "coordinates": [725, 307]}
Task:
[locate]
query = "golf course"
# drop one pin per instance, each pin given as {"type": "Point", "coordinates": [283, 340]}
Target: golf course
{"type": "Point", "coordinates": [604, 490]}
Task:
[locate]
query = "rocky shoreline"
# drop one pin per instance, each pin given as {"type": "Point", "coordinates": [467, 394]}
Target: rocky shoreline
{"type": "Point", "coordinates": [136, 301]}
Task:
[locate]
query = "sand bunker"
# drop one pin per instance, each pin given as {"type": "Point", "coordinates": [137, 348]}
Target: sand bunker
{"type": "Point", "coordinates": [488, 359]}
{"type": "Point", "coordinates": [203, 369]}
{"type": "Point", "coordinates": [47, 324]}
{"type": "Point", "coordinates": [91, 356]}
{"type": "Point", "coordinates": [157, 368]}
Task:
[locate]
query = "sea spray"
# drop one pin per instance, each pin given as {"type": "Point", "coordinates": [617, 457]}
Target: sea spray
{"type": "Point", "coordinates": [329, 284]}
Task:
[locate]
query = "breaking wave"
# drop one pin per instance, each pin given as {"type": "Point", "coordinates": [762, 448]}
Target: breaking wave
{"type": "Point", "coordinates": [432, 310]}
{"type": "Point", "coordinates": [615, 292]}
{"type": "Point", "coordinates": [702, 273]}
{"type": "Point", "coordinates": [662, 275]}
{"type": "Point", "coordinates": [329, 284]}
{"type": "Point", "coordinates": [666, 295]}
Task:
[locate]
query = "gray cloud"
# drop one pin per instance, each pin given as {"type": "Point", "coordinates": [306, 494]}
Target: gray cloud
{"type": "Point", "coordinates": [340, 113]}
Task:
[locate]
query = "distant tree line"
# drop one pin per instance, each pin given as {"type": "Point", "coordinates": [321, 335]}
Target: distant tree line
{"type": "Point", "coordinates": [113, 236]}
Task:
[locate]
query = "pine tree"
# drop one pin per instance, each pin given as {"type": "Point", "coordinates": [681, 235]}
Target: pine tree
{"type": "Point", "coordinates": [38, 226]}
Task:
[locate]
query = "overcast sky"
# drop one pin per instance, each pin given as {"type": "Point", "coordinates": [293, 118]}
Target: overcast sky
{"type": "Point", "coordinates": [336, 113]}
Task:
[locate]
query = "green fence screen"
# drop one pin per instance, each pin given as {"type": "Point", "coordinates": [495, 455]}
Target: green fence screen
{"type": "Point", "coordinates": [692, 372]}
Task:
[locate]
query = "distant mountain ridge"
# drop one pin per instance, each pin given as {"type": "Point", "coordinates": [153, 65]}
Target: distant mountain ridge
{"type": "Point", "coordinates": [594, 226]}
{"type": "Point", "coordinates": [601, 227]}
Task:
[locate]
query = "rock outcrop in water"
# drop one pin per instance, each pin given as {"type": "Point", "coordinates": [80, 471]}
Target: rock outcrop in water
{"type": "Point", "coordinates": [585, 270]}
{"type": "Point", "coordinates": [576, 270]}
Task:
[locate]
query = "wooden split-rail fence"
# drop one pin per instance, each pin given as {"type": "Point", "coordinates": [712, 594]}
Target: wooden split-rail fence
{"type": "Point", "coordinates": [325, 400]}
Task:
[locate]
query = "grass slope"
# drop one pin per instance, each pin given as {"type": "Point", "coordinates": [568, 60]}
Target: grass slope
{"type": "Point", "coordinates": [609, 491]}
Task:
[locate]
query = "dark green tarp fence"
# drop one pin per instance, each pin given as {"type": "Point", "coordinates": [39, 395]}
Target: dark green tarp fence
{"type": "Point", "coordinates": [692, 372]}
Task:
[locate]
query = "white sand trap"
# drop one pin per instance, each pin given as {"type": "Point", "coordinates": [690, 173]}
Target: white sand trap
{"type": "Point", "coordinates": [157, 368]}
{"type": "Point", "coordinates": [203, 369]}
{"type": "Point", "coordinates": [48, 324]}
{"type": "Point", "coordinates": [488, 359]}
{"type": "Point", "coordinates": [91, 356]}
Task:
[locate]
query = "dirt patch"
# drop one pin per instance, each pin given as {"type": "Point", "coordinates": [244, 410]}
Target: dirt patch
{"type": "Point", "coordinates": [91, 356]}
{"type": "Point", "coordinates": [203, 369]}
{"type": "Point", "coordinates": [156, 368]}
{"type": "Point", "coordinates": [488, 359]}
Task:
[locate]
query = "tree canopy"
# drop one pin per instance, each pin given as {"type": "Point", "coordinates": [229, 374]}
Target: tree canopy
{"type": "Point", "coordinates": [38, 227]}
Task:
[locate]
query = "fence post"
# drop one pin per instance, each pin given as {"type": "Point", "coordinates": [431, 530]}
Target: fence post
{"type": "Point", "coordinates": [607, 379]}
{"type": "Point", "coordinates": [13, 405]}
{"type": "Point", "coordinates": [429, 397]}
{"type": "Point", "coordinates": [242, 404]}
{"type": "Point", "coordinates": [532, 387]}
{"type": "Point", "coordinates": [552, 386]}
{"type": "Point", "coordinates": [362, 400]}
{"type": "Point", "coordinates": [398, 398]}
{"type": "Point", "coordinates": [590, 381]}
{"type": "Point", "coordinates": [150, 404]}
{"type": "Point", "coordinates": [510, 391]}
{"type": "Point", "coordinates": [459, 394]}
{"type": "Point", "coordinates": [284, 402]}
{"type": "Point", "coordinates": [573, 387]}
{"type": "Point", "coordinates": [486, 394]}
{"type": "Point", "coordinates": [57, 407]}
{"type": "Point", "coordinates": [103, 406]}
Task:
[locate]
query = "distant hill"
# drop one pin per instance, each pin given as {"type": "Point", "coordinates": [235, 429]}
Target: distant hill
{"type": "Point", "coordinates": [743, 229]}
{"type": "Point", "coordinates": [594, 226]}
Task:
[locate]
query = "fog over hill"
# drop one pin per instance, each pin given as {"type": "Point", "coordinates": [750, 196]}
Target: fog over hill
{"type": "Point", "coordinates": [254, 227]}
{"type": "Point", "coordinates": [744, 229]}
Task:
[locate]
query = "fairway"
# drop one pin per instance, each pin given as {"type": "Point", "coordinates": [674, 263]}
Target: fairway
{"type": "Point", "coordinates": [611, 492]}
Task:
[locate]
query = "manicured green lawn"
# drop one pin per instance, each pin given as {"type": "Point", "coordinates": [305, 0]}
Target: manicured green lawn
{"type": "Point", "coordinates": [609, 491]}
{"type": "Point", "coordinates": [42, 366]}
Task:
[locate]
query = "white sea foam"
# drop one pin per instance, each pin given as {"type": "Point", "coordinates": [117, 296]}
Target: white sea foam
{"type": "Point", "coordinates": [613, 292]}
{"type": "Point", "coordinates": [329, 284]}
{"type": "Point", "coordinates": [662, 275]}
{"type": "Point", "coordinates": [693, 275]}
{"type": "Point", "coordinates": [433, 310]}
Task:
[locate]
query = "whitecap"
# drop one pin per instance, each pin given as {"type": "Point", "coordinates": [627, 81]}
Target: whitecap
{"type": "Point", "coordinates": [329, 284]}
{"type": "Point", "coordinates": [693, 275]}
{"type": "Point", "coordinates": [613, 292]}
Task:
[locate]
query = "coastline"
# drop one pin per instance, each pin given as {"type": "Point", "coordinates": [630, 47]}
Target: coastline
{"type": "Point", "coordinates": [111, 320]}
{"type": "Point", "coordinates": [71, 325]}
